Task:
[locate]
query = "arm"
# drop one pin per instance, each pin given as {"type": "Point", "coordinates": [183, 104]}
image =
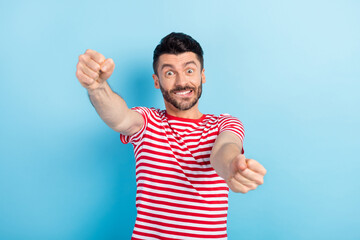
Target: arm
{"type": "Point", "coordinates": [241, 174]}
{"type": "Point", "coordinates": [93, 71]}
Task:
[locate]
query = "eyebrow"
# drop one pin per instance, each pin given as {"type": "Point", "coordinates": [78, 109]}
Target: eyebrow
{"type": "Point", "coordinates": [171, 66]}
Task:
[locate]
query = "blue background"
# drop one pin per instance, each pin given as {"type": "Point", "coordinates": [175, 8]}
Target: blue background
{"type": "Point", "coordinates": [289, 70]}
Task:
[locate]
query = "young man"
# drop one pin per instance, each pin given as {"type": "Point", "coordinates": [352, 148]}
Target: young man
{"type": "Point", "coordinates": [186, 161]}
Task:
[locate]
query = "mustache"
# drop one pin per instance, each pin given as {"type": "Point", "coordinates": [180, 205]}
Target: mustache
{"type": "Point", "coordinates": [185, 88]}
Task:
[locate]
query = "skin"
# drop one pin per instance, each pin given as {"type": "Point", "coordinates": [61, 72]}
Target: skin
{"type": "Point", "coordinates": [182, 73]}
{"type": "Point", "coordinates": [176, 74]}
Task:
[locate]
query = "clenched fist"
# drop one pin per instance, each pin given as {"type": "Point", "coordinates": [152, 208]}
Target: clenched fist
{"type": "Point", "coordinates": [93, 69]}
{"type": "Point", "coordinates": [245, 174]}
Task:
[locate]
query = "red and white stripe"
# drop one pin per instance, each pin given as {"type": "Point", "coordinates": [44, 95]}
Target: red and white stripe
{"type": "Point", "coordinates": [179, 195]}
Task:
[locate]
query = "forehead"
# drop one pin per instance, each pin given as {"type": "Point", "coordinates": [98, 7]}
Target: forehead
{"type": "Point", "coordinates": [179, 59]}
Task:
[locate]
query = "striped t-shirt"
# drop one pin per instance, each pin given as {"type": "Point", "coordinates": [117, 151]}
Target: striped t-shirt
{"type": "Point", "coordinates": [179, 195]}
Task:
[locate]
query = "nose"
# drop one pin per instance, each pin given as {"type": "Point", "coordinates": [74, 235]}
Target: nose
{"type": "Point", "coordinates": [180, 79]}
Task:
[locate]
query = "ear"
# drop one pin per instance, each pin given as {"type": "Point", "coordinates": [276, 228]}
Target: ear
{"type": "Point", "coordinates": [203, 75]}
{"type": "Point", "coordinates": [156, 81]}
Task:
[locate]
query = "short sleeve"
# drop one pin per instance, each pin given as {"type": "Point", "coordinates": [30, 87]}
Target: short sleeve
{"type": "Point", "coordinates": [227, 122]}
{"type": "Point", "coordinates": [137, 137]}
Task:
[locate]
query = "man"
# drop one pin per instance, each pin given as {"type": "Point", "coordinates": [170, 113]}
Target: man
{"type": "Point", "coordinates": [186, 161]}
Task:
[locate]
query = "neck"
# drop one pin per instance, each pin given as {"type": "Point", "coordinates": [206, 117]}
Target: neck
{"type": "Point", "coordinates": [192, 113]}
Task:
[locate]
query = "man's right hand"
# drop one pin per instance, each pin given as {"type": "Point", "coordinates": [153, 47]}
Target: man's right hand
{"type": "Point", "coordinates": [93, 69]}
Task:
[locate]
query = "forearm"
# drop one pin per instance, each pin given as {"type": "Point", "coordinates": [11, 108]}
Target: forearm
{"type": "Point", "coordinates": [240, 174]}
{"type": "Point", "coordinates": [222, 158]}
{"type": "Point", "coordinates": [111, 107]}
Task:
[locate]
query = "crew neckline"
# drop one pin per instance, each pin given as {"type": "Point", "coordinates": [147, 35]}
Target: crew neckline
{"type": "Point", "coordinates": [170, 117]}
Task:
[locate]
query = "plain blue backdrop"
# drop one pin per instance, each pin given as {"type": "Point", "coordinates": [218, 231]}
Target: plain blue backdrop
{"type": "Point", "coordinates": [289, 70]}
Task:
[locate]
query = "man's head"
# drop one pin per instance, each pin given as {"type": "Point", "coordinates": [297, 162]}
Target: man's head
{"type": "Point", "coordinates": [176, 43]}
{"type": "Point", "coordinates": [179, 71]}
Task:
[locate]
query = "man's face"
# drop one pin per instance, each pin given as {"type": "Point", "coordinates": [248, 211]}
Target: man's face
{"type": "Point", "coordinates": [180, 79]}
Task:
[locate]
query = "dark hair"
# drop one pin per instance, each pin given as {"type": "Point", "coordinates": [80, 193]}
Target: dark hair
{"type": "Point", "coordinates": [176, 43]}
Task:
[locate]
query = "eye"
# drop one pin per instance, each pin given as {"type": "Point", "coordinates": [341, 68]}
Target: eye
{"type": "Point", "coordinates": [169, 73]}
{"type": "Point", "coordinates": [190, 70]}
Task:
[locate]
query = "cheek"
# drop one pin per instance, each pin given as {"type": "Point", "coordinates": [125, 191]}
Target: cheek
{"type": "Point", "coordinates": [196, 80]}
{"type": "Point", "coordinates": [164, 85]}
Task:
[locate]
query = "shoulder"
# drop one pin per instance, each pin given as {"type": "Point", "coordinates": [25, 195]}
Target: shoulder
{"type": "Point", "coordinates": [219, 119]}
{"type": "Point", "coordinates": [226, 118]}
{"type": "Point", "coordinates": [149, 112]}
{"type": "Point", "coordinates": [229, 122]}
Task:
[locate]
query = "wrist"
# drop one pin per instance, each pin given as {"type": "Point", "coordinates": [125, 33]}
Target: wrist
{"type": "Point", "coordinates": [98, 88]}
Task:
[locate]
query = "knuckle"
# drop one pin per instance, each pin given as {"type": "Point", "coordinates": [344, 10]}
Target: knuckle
{"type": "Point", "coordinates": [250, 162]}
{"type": "Point", "coordinates": [94, 75]}
{"type": "Point", "coordinates": [78, 73]}
{"type": "Point", "coordinates": [253, 164]}
{"type": "Point", "coordinates": [261, 181]}
{"type": "Point", "coordinates": [82, 58]}
{"type": "Point", "coordinates": [101, 57]}
{"type": "Point", "coordinates": [87, 81]}
{"type": "Point", "coordinates": [253, 186]}
{"type": "Point", "coordinates": [238, 190]}
{"type": "Point", "coordinates": [245, 190]}
{"type": "Point", "coordinates": [79, 67]}
{"type": "Point", "coordinates": [97, 67]}
{"type": "Point", "coordinates": [241, 189]}
{"type": "Point", "coordinates": [81, 77]}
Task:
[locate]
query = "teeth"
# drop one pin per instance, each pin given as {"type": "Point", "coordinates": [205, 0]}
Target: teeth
{"type": "Point", "coordinates": [183, 93]}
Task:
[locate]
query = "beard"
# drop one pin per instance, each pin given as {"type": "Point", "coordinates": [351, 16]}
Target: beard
{"type": "Point", "coordinates": [186, 103]}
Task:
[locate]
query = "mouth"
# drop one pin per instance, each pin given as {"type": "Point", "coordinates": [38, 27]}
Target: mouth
{"type": "Point", "coordinates": [183, 93]}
